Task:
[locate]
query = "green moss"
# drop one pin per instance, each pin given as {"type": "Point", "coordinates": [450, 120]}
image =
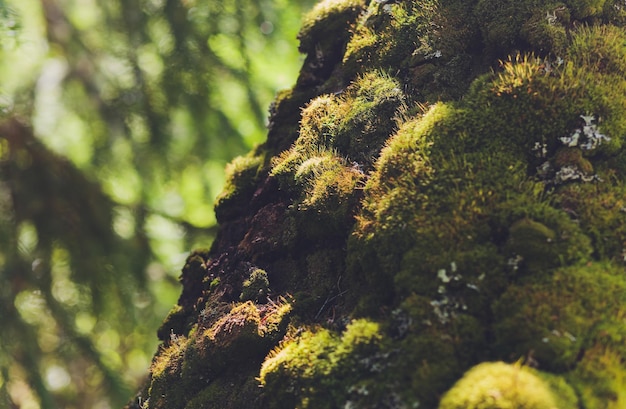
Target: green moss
{"type": "Point", "coordinates": [501, 23]}
{"type": "Point", "coordinates": [236, 340]}
{"type": "Point", "coordinates": [497, 385]}
{"type": "Point", "coordinates": [339, 138]}
{"type": "Point", "coordinates": [586, 8]}
{"type": "Point", "coordinates": [527, 232]}
{"type": "Point", "coordinates": [328, 21]}
{"type": "Point", "coordinates": [317, 369]}
{"type": "Point", "coordinates": [165, 371]}
{"type": "Point", "coordinates": [428, 45]}
{"type": "Point", "coordinates": [354, 124]}
{"type": "Point", "coordinates": [255, 287]}
{"type": "Point", "coordinates": [176, 322]}
{"type": "Point", "coordinates": [566, 394]}
{"type": "Point", "coordinates": [535, 247]}
{"type": "Point", "coordinates": [403, 167]}
{"type": "Point", "coordinates": [326, 187]}
{"type": "Point", "coordinates": [560, 316]}
{"type": "Point", "coordinates": [373, 102]}
{"type": "Point", "coordinates": [600, 47]}
{"type": "Point", "coordinates": [546, 31]}
{"type": "Point", "coordinates": [241, 177]}
{"type": "Point", "coordinates": [214, 283]}
{"type": "Point", "coordinates": [385, 30]}
{"type": "Point", "coordinates": [433, 352]}
{"type": "Point", "coordinates": [599, 209]}
{"type": "Point", "coordinates": [319, 123]}
{"type": "Point", "coordinates": [600, 378]}
{"type": "Point", "coordinates": [435, 219]}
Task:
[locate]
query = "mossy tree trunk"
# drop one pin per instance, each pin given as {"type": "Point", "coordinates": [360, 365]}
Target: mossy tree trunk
{"type": "Point", "coordinates": [442, 188]}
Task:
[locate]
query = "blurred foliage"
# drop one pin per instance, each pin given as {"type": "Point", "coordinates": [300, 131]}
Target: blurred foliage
{"type": "Point", "coordinates": [116, 121]}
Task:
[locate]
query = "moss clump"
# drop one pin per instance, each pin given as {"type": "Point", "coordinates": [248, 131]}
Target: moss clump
{"type": "Point", "coordinates": [586, 8]}
{"type": "Point", "coordinates": [326, 187]}
{"type": "Point", "coordinates": [340, 137]}
{"type": "Point", "coordinates": [241, 178]}
{"type": "Point", "coordinates": [238, 339]}
{"type": "Point", "coordinates": [600, 210]}
{"type": "Point", "coordinates": [560, 316]}
{"type": "Point", "coordinates": [317, 369]}
{"type": "Point", "coordinates": [329, 21]}
{"type": "Point", "coordinates": [535, 247]}
{"type": "Point", "coordinates": [546, 30]}
{"type": "Point", "coordinates": [164, 372]}
{"type": "Point", "coordinates": [385, 29]}
{"type": "Point", "coordinates": [425, 43]}
{"type": "Point", "coordinates": [177, 322]}
{"type": "Point", "coordinates": [600, 47]}
{"type": "Point", "coordinates": [532, 241]}
{"type": "Point", "coordinates": [354, 124]}
{"type": "Point", "coordinates": [599, 378]}
{"type": "Point", "coordinates": [497, 385]}
{"type": "Point", "coordinates": [256, 287]}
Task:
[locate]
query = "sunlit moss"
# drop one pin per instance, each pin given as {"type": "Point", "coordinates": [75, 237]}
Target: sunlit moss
{"type": "Point", "coordinates": [354, 124]}
{"type": "Point", "coordinates": [240, 337]}
{"type": "Point", "coordinates": [166, 368]}
{"type": "Point", "coordinates": [496, 385]}
{"type": "Point", "coordinates": [316, 370]}
{"type": "Point", "coordinates": [388, 31]}
{"type": "Point", "coordinates": [559, 317]}
{"type": "Point", "coordinates": [241, 176]}
{"type": "Point", "coordinates": [601, 47]}
{"type": "Point", "coordinates": [328, 16]}
{"type": "Point", "coordinates": [600, 378]}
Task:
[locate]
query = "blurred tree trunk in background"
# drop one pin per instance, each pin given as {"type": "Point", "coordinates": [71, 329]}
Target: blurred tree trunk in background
{"type": "Point", "coordinates": [116, 121]}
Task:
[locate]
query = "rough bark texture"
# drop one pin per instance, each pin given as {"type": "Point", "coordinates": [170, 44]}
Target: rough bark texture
{"type": "Point", "coordinates": [441, 193]}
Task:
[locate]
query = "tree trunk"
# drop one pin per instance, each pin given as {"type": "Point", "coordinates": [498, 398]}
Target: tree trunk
{"type": "Point", "coordinates": [443, 189]}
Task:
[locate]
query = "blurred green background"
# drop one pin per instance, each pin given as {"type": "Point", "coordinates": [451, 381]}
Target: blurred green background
{"type": "Point", "coordinates": [117, 118]}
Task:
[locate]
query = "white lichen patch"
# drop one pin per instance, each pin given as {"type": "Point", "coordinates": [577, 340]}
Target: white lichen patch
{"type": "Point", "coordinates": [587, 138]}
{"type": "Point", "coordinates": [572, 173]}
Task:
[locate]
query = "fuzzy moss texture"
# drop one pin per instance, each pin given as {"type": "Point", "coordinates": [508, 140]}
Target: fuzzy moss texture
{"type": "Point", "coordinates": [436, 220]}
